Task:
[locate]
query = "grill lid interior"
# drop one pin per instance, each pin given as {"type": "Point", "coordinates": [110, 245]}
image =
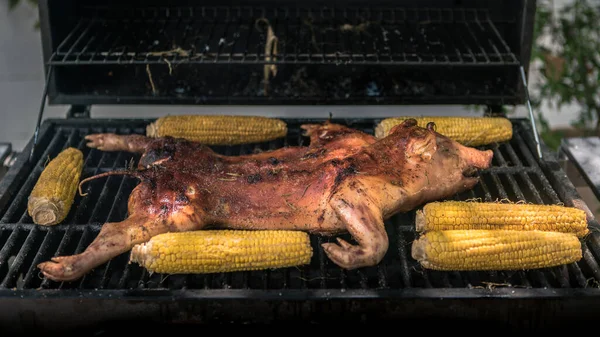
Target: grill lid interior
{"type": "Point", "coordinates": [463, 52]}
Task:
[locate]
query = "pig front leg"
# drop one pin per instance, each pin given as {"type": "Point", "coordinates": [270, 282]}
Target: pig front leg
{"type": "Point", "coordinates": [114, 142]}
{"type": "Point", "coordinates": [115, 238]}
{"type": "Point", "coordinates": [364, 221]}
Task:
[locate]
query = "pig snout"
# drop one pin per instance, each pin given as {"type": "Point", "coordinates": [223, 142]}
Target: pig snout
{"type": "Point", "coordinates": [475, 158]}
{"type": "Point", "coordinates": [468, 160]}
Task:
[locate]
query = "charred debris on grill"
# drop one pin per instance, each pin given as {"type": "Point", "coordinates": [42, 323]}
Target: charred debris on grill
{"type": "Point", "coordinates": [293, 82]}
{"type": "Point", "coordinates": [262, 25]}
{"type": "Point", "coordinates": [347, 80]}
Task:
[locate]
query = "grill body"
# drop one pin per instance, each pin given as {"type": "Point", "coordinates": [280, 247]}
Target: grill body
{"type": "Point", "coordinates": [319, 292]}
{"type": "Point", "coordinates": [328, 52]}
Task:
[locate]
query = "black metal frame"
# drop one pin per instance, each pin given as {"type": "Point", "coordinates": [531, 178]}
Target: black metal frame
{"type": "Point", "coordinates": [81, 46]}
{"type": "Point", "coordinates": [547, 303]}
{"type": "Point", "coordinates": [61, 54]}
{"type": "Point", "coordinates": [560, 293]}
{"type": "Point", "coordinates": [516, 174]}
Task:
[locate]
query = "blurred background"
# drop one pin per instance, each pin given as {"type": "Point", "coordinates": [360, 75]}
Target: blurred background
{"type": "Point", "coordinates": [564, 78]}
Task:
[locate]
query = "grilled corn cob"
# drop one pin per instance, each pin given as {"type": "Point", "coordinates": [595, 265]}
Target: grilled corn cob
{"type": "Point", "coordinates": [489, 215]}
{"type": "Point", "coordinates": [218, 129]}
{"type": "Point", "coordinates": [214, 251]}
{"type": "Point", "coordinates": [470, 131]}
{"type": "Point", "coordinates": [456, 250]}
{"type": "Point", "coordinates": [54, 192]}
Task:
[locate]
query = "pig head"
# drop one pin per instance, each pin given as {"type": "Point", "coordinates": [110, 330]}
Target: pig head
{"type": "Point", "coordinates": [409, 167]}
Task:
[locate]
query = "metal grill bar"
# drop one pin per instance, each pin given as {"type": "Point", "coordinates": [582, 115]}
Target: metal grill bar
{"type": "Point", "coordinates": [41, 253]}
{"type": "Point", "coordinates": [499, 186]}
{"type": "Point", "coordinates": [515, 187]}
{"type": "Point", "coordinates": [112, 213]}
{"type": "Point", "coordinates": [375, 30]}
{"type": "Point", "coordinates": [426, 279]}
{"type": "Point", "coordinates": [477, 43]}
{"type": "Point", "coordinates": [516, 175]}
{"type": "Point", "coordinates": [60, 251]}
{"type": "Point", "coordinates": [579, 277]}
{"type": "Point", "coordinates": [80, 216]}
{"type": "Point", "coordinates": [105, 194]}
{"type": "Point", "coordinates": [78, 40]}
{"type": "Point", "coordinates": [19, 260]}
{"type": "Point", "coordinates": [538, 275]}
{"type": "Point", "coordinates": [402, 244]}
{"type": "Point", "coordinates": [591, 261]}
{"type": "Point", "coordinates": [10, 246]}
{"type": "Point", "coordinates": [81, 245]}
{"type": "Point", "coordinates": [321, 258]}
{"type": "Point", "coordinates": [486, 192]}
{"type": "Point", "coordinates": [381, 273]}
{"type": "Point", "coordinates": [70, 36]}
{"type": "Point", "coordinates": [502, 42]}
{"type": "Point", "coordinates": [125, 277]}
{"type": "Point", "coordinates": [513, 156]}
{"type": "Point", "coordinates": [561, 273]}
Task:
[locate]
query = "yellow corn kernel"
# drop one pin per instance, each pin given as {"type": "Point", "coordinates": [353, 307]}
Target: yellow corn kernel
{"type": "Point", "coordinates": [216, 251]}
{"type": "Point", "coordinates": [447, 215]}
{"type": "Point", "coordinates": [469, 131]}
{"type": "Point", "coordinates": [218, 129]}
{"type": "Point", "coordinates": [457, 250]}
{"type": "Point", "coordinates": [54, 192]}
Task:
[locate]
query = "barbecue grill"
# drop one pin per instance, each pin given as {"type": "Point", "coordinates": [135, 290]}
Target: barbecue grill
{"type": "Point", "coordinates": [337, 52]}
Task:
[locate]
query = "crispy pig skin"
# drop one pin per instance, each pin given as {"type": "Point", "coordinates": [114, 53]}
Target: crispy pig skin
{"type": "Point", "coordinates": [344, 181]}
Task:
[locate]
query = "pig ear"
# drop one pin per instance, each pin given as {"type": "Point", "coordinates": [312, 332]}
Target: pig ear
{"type": "Point", "coordinates": [405, 124]}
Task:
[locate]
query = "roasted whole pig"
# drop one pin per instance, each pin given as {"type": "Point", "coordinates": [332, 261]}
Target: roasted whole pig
{"type": "Point", "coordinates": [344, 181]}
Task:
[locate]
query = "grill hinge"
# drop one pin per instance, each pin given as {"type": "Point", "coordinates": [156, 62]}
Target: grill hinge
{"type": "Point", "coordinates": [79, 111]}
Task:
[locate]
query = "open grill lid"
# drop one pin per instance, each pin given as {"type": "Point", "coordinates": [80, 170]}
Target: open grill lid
{"type": "Point", "coordinates": [351, 52]}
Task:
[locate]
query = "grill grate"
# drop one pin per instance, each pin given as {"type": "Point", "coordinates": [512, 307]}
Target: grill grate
{"type": "Point", "coordinates": [515, 175]}
{"type": "Point", "coordinates": [367, 36]}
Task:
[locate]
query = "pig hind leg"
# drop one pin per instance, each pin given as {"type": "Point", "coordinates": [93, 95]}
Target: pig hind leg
{"type": "Point", "coordinates": [114, 239]}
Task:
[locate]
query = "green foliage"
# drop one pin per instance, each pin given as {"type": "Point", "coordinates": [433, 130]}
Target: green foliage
{"type": "Point", "coordinates": [552, 138]}
{"type": "Point", "coordinates": [12, 4]}
{"type": "Point", "coordinates": [570, 72]}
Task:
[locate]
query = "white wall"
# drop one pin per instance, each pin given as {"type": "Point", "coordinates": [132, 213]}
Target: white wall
{"type": "Point", "coordinates": [22, 81]}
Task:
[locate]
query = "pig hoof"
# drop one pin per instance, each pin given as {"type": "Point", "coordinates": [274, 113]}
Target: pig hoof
{"type": "Point", "coordinates": [62, 268]}
{"type": "Point", "coordinates": [104, 141]}
{"type": "Point", "coordinates": [349, 256]}
{"type": "Point", "coordinates": [95, 141]}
